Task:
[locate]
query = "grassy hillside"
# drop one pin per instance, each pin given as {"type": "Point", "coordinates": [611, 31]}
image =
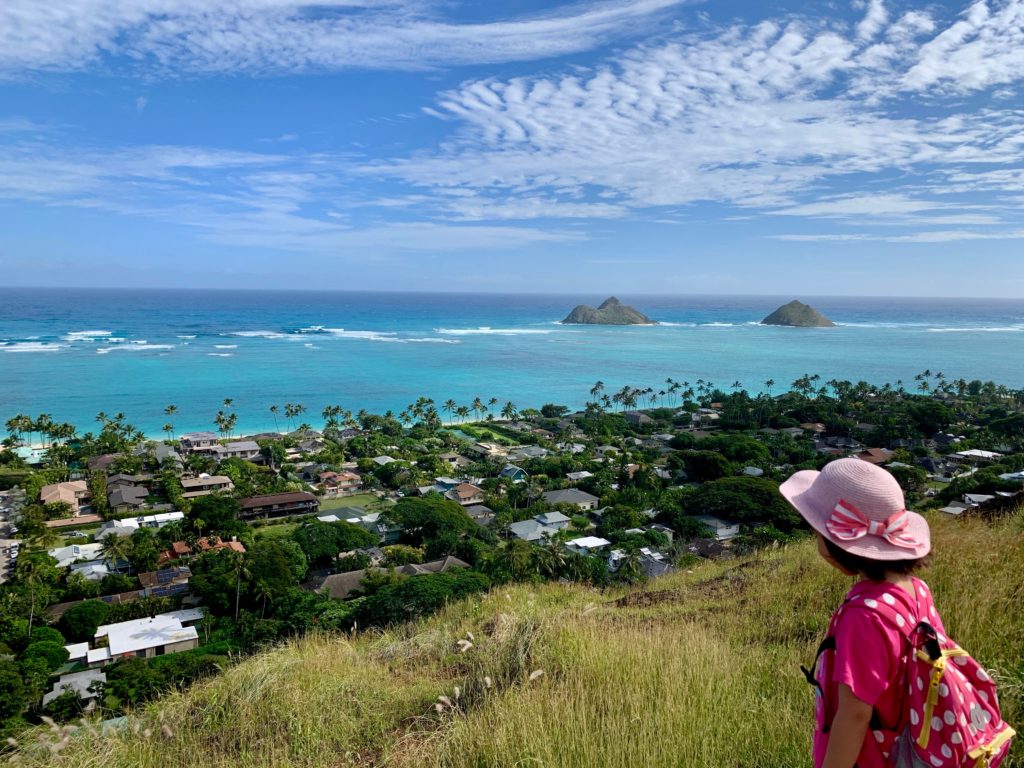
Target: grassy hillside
{"type": "Point", "coordinates": [697, 669]}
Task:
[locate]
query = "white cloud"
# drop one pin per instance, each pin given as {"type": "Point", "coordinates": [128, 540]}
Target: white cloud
{"type": "Point", "coordinates": [933, 236]}
{"type": "Point", "coordinates": [773, 116]}
{"type": "Point", "coordinates": [276, 36]}
{"type": "Point", "coordinates": [140, 103]}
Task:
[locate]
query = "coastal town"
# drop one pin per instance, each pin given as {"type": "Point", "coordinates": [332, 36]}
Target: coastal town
{"type": "Point", "coordinates": [131, 566]}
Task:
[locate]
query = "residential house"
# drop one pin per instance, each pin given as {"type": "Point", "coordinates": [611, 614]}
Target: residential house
{"type": "Point", "coordinates": [513, 473]}
{"type": "Point", "coordinates": [571, 448]}
{"type": "Point", "coordinates": [382, 461]}
{"type": "Point", "coordinates": [955, 508]}
{"type": "Point", "coordinates": [195, 441]}
{"type": "Point", "coordinates": [167, 582]}
{"type": "Point", "coordinates": [123, 498]}
{"type": "Point", "coordinates": [575, 477]}
{"type": "Point", "coordinates": [637, 418]}
{"type": "Point", "coordinates": [555, 520]}
{"type": "Point", "coordinates": [279, 505]}
{"type": "Point", "coordinates": [875, 455]}
{"type": "Point", "coordinates": [83, 684]}
{"type": "Point", "coordinates": [488, 450]}
{"type": "Point", "coordinates": [204, 485]}
{"type": "Point", "coordinates": [587, 545]}
{"type": "Point", "coordinates": [101, 463]}
{"type": "Point", "coordinates": [74, 493]}
{"type": "Point", "coordinates": [180, 550]}
{"type": "Point", "coordinates": [526, 452]}
{"type": "Point", "coordinates": [127, 526]}
{"type": "Point", "coordinates": [466, 494]}
{"type": "Point", "coordinates": [721, 530]}
{"type": "Point", "coordinates": [341, 586]}
{"type": "Point", "coordinates": [141, 638]}
{"type": "Point", "coordinates": [482, 516]}
{"type": "Point", "coordinates": [163, 454]}
{"type": "Point", "coordinates": [974, 456]}
{"type": "Point", "coordinates": [581, 499]}
{"type": "Point", "coordinates": [73, 553]}
{"type": "Point", "coordinates": [247, 450]}
{"type": "Point", "coordinates": [455, 460]}
{"type": "Point", "coordinates": [532, 530]}
{"type": "Point", "coordinates": [339, 483]}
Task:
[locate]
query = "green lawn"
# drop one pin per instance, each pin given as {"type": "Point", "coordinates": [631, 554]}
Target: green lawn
{"type": "Point", "coordinates": [361, 500]}
{"type": "Point", "coordinates": [282, 531]}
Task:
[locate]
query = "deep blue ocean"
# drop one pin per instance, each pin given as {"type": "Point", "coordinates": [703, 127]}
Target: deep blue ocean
{"type": "Point", "coordinates": [73, 353]}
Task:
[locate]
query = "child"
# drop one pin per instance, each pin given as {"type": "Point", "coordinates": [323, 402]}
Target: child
{"type": "Point", "coordinates": [857, 511]}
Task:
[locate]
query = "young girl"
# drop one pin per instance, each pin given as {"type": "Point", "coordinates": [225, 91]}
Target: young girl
{"type": "Point", "coordinates": [857, 511]}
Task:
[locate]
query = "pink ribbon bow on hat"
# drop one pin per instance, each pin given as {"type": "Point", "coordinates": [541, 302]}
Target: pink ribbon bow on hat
{"type": "Point", "coordinates": [847, 523]}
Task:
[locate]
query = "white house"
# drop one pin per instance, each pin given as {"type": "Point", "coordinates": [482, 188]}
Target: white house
{"type": "Point", "coordinates": [586, 545]}
{"type": "Point", "coordinates": [585, 501]}
{"type": "Point", "coordinates": [721, 530]}
{"type": "Point", "coordinates": [72, 553]}
{"type": "Point", "coordinates": [142, 638]}
{"type": "Point", "coordinates": [128, 525]}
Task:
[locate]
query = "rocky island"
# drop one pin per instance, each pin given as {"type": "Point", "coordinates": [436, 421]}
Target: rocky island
{"type": "Point", "coordinates": [611, 312]}
{"type": "Point", "coordinates": [796, 314]}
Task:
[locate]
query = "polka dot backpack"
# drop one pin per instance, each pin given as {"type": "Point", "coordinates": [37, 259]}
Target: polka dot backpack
{"type": "Point", "coordinates": [951, 715]}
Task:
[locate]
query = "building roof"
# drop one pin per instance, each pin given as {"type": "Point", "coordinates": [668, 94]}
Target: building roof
{"type": "Point", "coordinates": [588, 542]}
{"type": "Point", "coordinates": [715, 523]}
{"type": "Point", "coordinates": [140, 634]}
{"type": "Point", "coordinates": [67, 492]}
{"type": "Point", "coordinates": [78, 682]}
{"type": "Point", "coordinates": [289, 497]}
{"type": "Point", "coordinates": [197, 436]}
{"type": "Point", "coordinates": [550, 518]}
{"type": "Point", "coordinates": [570, 496]}
{"type": "Point", "coordinates": [205, 482]}
{"type": "Point", "coordinates": [465, 491]}
{"type": "Point", "coordinates": [340, 586]}
{"type": "Point", "coordinates": [531, 530]}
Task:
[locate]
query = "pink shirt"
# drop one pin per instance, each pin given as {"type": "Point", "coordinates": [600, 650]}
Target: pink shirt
{"type": "Point", "coordinates": [871, 658]}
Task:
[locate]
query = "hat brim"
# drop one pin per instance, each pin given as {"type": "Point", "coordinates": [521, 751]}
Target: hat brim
{"type": "Point", "coordinates": [795, 491]}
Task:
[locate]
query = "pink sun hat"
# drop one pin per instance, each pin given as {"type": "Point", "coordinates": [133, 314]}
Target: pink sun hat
{"type": "Point", "coordinates": [859, 507]}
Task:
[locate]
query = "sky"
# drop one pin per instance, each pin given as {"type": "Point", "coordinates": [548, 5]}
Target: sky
{"type": "Point", "coordinates": [872, 147]}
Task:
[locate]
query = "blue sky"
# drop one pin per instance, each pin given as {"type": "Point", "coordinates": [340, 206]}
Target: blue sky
{"type": "Point", "coordinates": [640, 146]}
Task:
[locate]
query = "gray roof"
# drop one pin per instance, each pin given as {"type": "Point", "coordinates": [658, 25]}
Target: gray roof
{"type": "Point", "coordinates": [569, 496]}
{"type": "Point", "coordinates": [340, 586]}
{"type": "Point", "coordinates": [531, 530]}
{"type": "Point", "coordinates": [550, 518]}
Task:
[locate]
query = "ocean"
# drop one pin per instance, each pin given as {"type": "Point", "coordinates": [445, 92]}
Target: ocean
{"type": "Point", "coordinates": [72, 353]}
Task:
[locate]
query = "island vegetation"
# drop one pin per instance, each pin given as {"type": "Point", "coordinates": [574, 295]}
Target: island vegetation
{"type": "Point", "coordinates": [610, 312]}
{"type": "Point", "coordinates": [796, 314]}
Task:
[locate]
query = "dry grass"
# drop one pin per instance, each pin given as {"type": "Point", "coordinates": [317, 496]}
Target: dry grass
{"type": "Point", "coordinates": [695, 670]}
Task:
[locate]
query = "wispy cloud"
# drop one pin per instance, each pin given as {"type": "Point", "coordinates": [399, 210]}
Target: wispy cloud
{"type": "Point", "coordinates": [282, 36]}
{"type": "Point", "coordinates": [860, 126]}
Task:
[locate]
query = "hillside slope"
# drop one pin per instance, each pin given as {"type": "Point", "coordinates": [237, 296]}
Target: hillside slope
{"type": "Point", "coordinates": [696, 669]}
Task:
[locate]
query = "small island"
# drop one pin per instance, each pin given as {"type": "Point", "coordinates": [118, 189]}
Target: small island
{"type": "Point", "coordinates": [796, 314]}
{"type": "Point", "coordinates": [611, 312]}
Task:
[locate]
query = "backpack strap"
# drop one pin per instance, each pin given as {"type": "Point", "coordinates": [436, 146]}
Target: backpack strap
{"type": "Point", "coordinates": [828, 644]}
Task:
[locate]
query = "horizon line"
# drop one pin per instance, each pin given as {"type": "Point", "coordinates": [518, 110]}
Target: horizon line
{"type": "Point", "coordinates": [492, 292]}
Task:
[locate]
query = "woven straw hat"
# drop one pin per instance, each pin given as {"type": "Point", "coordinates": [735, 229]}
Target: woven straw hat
{"type": "Point", "coordinates": [851, 489]}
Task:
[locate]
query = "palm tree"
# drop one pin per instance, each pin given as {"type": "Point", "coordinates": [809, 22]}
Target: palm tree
{"type": "Point", "coordinates": [228, 402]}
{"type": "Point", "coordinates": [170, 410]}
{"type": "Point", "coordinates": [30, 572]}
{"type": "Point", "coordinates": [551, 557]}
{"type": "Point", "coordinates": [449, 407]}
{"type": "Point", "coordinates": [241, 572]}
{"type": "Point", "coordinates": [478, 406]}
{"type": "Point", "coordinates": [116, 548]}
{"type": "Point", "coordinates": [462, 411]}
{"type": "Point", "coordinates": [273, 412]}
{"type": "Point", "coordinates": [508, 411]}
{"type": "Point", "coordinates": [169, 430]}
{"type": "Point", "coordinates": [630, 568]}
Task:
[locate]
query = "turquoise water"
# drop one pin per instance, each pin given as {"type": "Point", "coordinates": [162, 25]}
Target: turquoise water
{"type": "Point", "coordinates": [72, 353]}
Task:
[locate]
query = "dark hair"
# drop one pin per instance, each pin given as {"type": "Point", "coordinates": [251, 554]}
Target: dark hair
{"type": "Point", "coordinates": [873, 569]}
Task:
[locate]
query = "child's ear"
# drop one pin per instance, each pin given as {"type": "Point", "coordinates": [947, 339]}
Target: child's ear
{"type": "Point", "coordinates": [827, 557]}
